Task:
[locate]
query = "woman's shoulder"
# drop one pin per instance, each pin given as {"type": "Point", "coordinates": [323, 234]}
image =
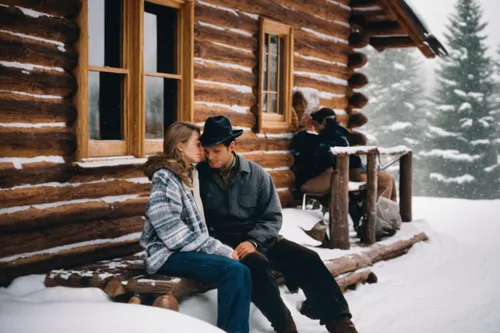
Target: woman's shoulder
{"type": "Point", "coordinates": [166, 176]}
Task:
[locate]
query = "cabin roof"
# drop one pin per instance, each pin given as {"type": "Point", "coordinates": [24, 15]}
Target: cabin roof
{"type": "Point", "coordinates": [394, 24]}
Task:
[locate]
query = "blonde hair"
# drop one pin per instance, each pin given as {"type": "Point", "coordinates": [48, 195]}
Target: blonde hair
{"type": "Point", "coordinates": [180, 131]}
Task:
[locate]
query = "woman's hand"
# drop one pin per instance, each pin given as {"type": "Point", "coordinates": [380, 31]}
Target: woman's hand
{"type": "Point", "coordinates": [234, 255]}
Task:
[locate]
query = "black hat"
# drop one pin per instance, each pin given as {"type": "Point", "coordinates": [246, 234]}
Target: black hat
{"type": "Point", "coordinates": [320, 115]}
{"type": "Point", "coordinates": [217, 130]}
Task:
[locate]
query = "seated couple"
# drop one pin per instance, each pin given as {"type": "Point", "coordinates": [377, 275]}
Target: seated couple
{"type": "Point", "coordinates": [314, 163]}
{"type": "Point", "coordinates": [218, 223]}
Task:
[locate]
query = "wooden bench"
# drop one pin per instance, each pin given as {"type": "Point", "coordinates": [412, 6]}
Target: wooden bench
{"type": "Point", "coordinates": [338, 222]}
{"type": "Point", "coordinates": [125, 279]}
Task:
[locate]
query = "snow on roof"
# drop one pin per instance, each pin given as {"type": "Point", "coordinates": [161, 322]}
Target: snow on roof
{"type": "Point", "coordinates": [399, 126]}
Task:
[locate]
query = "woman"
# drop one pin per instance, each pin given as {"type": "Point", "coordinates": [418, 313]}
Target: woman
{"type": "Point", "coordinates": [176, 238]}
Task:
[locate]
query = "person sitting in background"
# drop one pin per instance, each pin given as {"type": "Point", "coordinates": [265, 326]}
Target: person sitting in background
{"type": "Point", "coordinates": [332, 134]}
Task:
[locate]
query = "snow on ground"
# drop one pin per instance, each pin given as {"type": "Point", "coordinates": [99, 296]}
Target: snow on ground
{"type": "Point", "coordinates": [446, 285]}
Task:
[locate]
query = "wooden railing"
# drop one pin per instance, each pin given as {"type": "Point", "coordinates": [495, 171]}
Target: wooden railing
{"type": "Point", "coordinates": [339, 222]}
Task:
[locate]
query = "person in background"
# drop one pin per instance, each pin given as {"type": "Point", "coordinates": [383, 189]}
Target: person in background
{"type": "Point", "coordinates": [175, 235]}
{"type": "Point", "coordinates": [243, 210]}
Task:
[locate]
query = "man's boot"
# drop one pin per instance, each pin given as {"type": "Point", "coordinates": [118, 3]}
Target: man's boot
{"type": "Point", "coordinates": [341, 325]}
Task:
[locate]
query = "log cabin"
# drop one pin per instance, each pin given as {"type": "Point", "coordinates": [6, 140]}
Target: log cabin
{"type": "Point", "coordinates": [87, 88]}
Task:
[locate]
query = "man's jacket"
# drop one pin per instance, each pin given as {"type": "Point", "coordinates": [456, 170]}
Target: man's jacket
{"type": "Point", "coordinates": [249, 210]}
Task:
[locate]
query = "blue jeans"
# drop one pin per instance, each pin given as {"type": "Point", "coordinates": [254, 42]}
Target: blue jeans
{"type": "Point", "coordinates": [232, 278]}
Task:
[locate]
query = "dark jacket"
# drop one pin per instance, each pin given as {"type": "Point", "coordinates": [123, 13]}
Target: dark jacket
{"type": "Point", "coordinates": [249, 210]}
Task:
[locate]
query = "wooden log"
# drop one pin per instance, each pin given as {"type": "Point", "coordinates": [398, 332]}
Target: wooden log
{"type": "Point", "coordinates": [226, 19]}
{"type": "Point", "coordinates": [324, 9]}
{"type": "Point", "coordinates": [276, 10]}
{"type": "Point", "coordinates": [136, 299]}
{"type": "Point", "coordinates": [372, 15]}
{"type": "Point", "coordinates": [224, 36]}
{"type": "Point", "coordinates": [353, 279]}
{"type": "Point", "coordinates": [210, 51]}
{"type": "Point", "coordinates": [30, 142]}
{"type": "Point", "coordinates": [213, 72]}
{"type": "Point", "coordinates": [68, 258]}
{"type": "Point", "coordinates": [26, 109]}
{"type": "Point", "coordinates": [286, 199]}
{"type": "Point", "coordinates": [114, 288]}
{"type": "Point", "coordinates": [204, 92]}
{"type": "Point", "coordinates": [347, 263]}
{"type": "Point", "coordinates": [168, 302]}
{"type": "Point", "coordinates": [359, 40]}
{"type": "Point", "coordinates": [259, 143]}
{"type": "Point", "coordinates": [357, 22]}
{"type": "Point", "coordinates": [47, 27]}
{"type": "Point", "coordinates": [306, 41]}
{"type": "Point", "coordinates": [38, 219]}
{"type": "Point", "coordinates": [371, 200]}
{"type": "Point", "coordinates": [339, 223]}
{"type": "Point", "coordinates": [405, 187]}
{"type": "Point", "coordinates": [389, 28]}
{"type": "Point", "coordinates": [356, 4]}
{"type": "Point", "coordinates": [267, 160]}
{"type": "Point", "coordinates": [307, 65]}
{"type": "Point", "coordinates": [68, 233]}
{"type": "Point", "coordinates": [34, 173]}
{"type": "Point", "coordinates": [282, 178]}
{"type": "Point", "coordinates": [357, 60]}
{"type": "Point", "coordinates": [31, 51]}
{"type": "Point", "coordinates": [322, 86]}
{"type": "Point", "coordinates": [357, 119]}
{"type": "Point", "coordinates": [67, 8]}
{"type": "Point", "coordinates": [379, 252]}
{"type": "Point", "coordinates": [338, 103]}
{"type": "Point", "coordinates": [244, 119]}
{"type": "Point", "coordinates": [358, 80]}
{"type": "Point", "coordinates": [358, 100]}
{"type": "Point", "coordinates": [36, 81]}
{"type": "Point", "coordinates": [46, 194]}
{"type": "Point", "coordinates": [394, 42]}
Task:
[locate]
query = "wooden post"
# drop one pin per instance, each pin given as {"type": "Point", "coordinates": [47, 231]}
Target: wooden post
{"type": "Point", "coordinates": [405, 187]}
{"type": "Point", "coordinates": [339, 221]}
{"type": "Point", "coordinates": [371, 200]}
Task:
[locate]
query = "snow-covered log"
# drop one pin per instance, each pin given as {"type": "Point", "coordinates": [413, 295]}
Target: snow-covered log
{"type": "Point", "coordinates": [31, 142]}
{"type": "Point", "coordinates": [66, 8]}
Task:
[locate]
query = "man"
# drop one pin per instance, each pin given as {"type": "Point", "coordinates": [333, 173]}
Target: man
{"type": "Point", "coordinates": [242, 210]}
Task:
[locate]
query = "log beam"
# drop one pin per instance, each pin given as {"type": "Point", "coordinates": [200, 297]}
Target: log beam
{"type": "Point", "coordinates": [210, 51]}
{"type": "Point", "coordinates": [226, 37]}
{"type": "Point", "coordinates": [67, 8]}
{"type": "Point", "coordinates": [48, 27]}
{"type": "Point", "coordinates": [244, 119]}
{"type": "Point", "coordinates": [37, 81]}
{"type": "Point", "coordinates": [309, 65]}
{"type": "Point", "coordinates": [25, 50]}
{"type": "Point", "coordinates": [320, 85]}
{"type": "Point", "coordinates": [394, 42]}
{"type": "Point", "coordinates": [389, 28]}
{"type": "Point", "coordinates": [357, 60]}
{"type": "Point", "coordinates": [358, 40]}
{"type": "Point", "coordinates": [204, 92]}
{"type": "Point", "coordinates": [358, 100]}
{"type": "Point", "coordinates": [31, 142]}
{"type": "Point", "coordinates": [358, 80]}
{"type": "Point", "coordinates": [225, 19]}
{"type": "Point", "coordinates": [212, 72]}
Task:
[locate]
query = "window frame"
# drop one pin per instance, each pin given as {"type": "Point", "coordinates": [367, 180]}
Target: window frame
{"type": "Point", "coordinates": [134, 122]}
{"type": "Point", "coordinates": [270, 122]}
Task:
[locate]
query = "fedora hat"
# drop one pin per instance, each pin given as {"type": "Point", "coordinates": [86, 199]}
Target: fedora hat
{"type": "Point", "coordinates": [217, 130]}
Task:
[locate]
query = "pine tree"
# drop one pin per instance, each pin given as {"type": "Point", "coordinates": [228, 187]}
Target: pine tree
{"type": "Point", "coordinates": [461, 151]}
{"type": "Point", "coordinates": [395, 109]}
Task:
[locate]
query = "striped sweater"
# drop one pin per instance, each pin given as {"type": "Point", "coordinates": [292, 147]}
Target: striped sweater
{"type": "Point", "coordinates": [173, 223]}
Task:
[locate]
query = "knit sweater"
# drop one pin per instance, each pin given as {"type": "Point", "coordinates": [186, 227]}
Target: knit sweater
{"type": "Point", "coordinates": [173, 223]}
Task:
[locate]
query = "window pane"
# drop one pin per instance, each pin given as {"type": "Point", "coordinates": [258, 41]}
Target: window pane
{"type": "Point", "coordinates": [160, 38]}
{"type": "Point", "coordinates": [281, 87]}
{"type": "Point", "coordinates": [274, 44]}
{"type": "Point", "coordinates": [274, 73]}
{"type": "Point", "coordinates": [161, 105]}
{"type": "Point", "coordinates": [105, 106]}
{"type": "Point", "coordinates": [266, 43]}
{"type": "Point", "coordinates": [266, 58]}
{"type": "Point", "coordinates": [264, 102]}
{"type": "Point", "coordinates": [104, 28]}
{"type": "Point", "coordinates": [273, 103]}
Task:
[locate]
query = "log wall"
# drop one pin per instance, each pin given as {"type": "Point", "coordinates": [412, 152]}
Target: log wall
{"type": "Point", "coordinates": [66, 213]}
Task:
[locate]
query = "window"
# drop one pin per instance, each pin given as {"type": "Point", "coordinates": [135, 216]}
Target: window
{"type": "Point", "coordinates": [132, 79]}
{"type": "Point", "coordinates": [276, 75]}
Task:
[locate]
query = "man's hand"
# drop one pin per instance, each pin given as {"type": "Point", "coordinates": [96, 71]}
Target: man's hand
{"type": "Point", "coordinates": [234, 255]}
{"type": "Point", "coordinates": [245, 248]}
